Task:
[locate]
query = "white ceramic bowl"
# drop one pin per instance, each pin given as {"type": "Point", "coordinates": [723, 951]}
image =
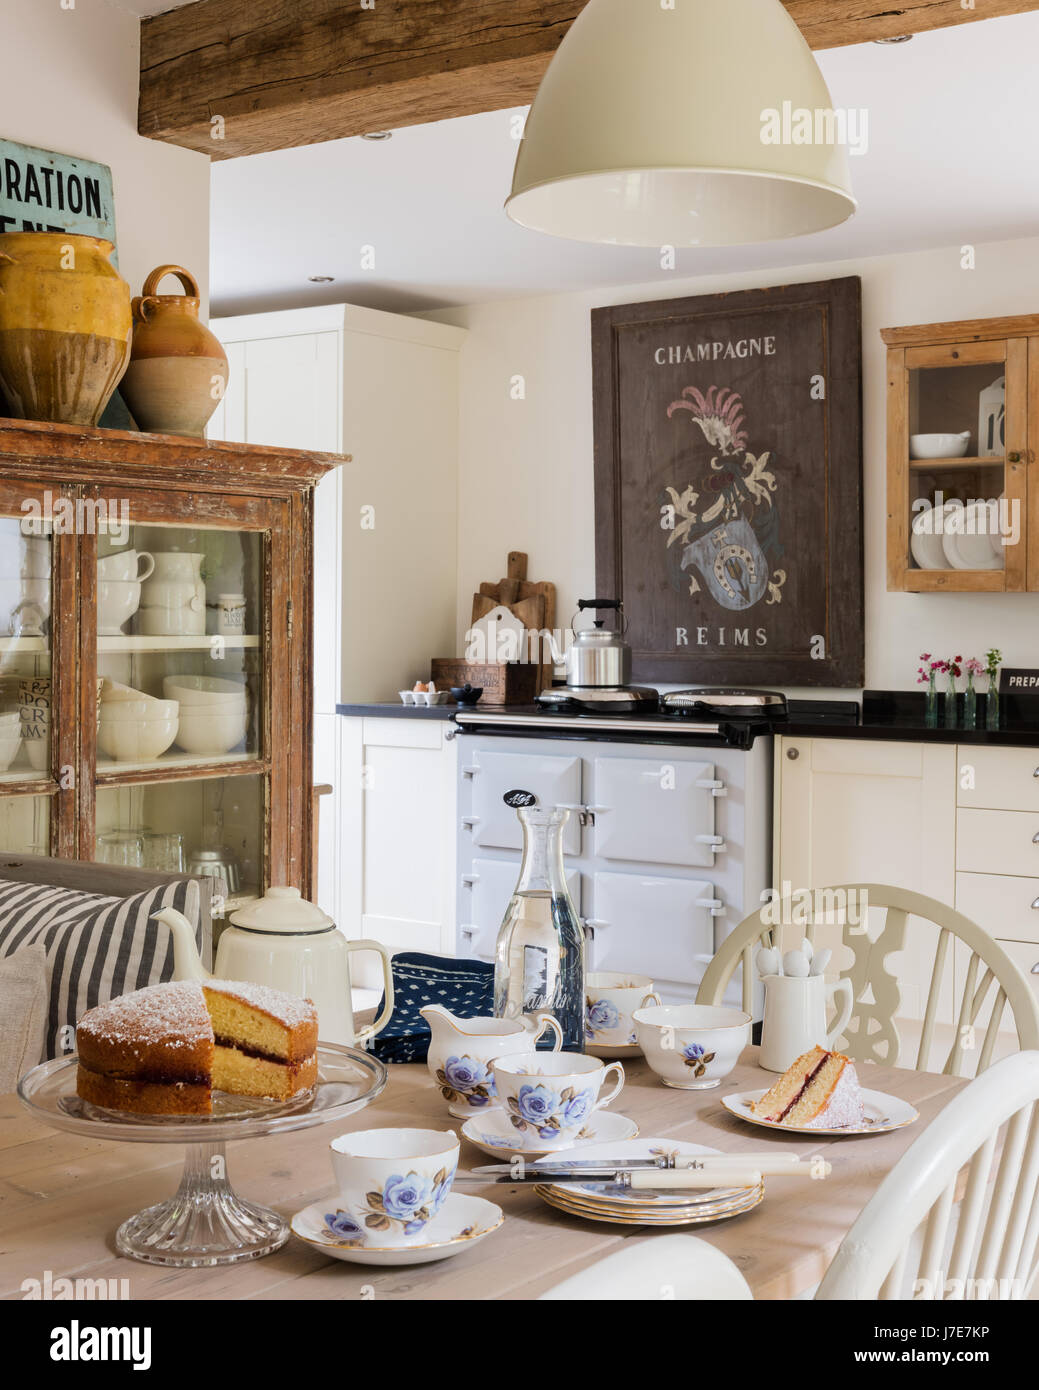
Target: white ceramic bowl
{"type": "Point", "coordinates": [692, 1046]}
{"type": "Point", "coordinates": [204, 690]}
{"type": "Point", "coordinates": [137, 711]}
{"type": "Point", "coordinates": [209, 730]}
{"type": "Point", "coordinates": [135, 740]}
{"type": "Point", "coordinates": [938, 446]}
{"type": "Point", "coordinates": [116, 602]}
{"type": "Point", "coordinates": [9, 746]}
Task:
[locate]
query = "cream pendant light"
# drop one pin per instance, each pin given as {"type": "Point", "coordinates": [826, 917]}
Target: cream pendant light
{"type": "Point", "coordinates": [648, 129]}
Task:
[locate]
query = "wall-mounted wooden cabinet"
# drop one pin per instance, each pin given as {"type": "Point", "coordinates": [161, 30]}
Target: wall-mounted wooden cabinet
{"type": "Point", "coordinates": [82, 514]}
{"type": "Point", "coordinates": [959, 508]}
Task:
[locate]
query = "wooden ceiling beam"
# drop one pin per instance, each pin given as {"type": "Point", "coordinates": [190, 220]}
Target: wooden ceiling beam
{"type": "Point", "coordinates": [239, 77]}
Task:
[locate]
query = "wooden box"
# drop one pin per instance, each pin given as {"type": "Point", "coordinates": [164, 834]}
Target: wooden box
{"type": "Point", "coordinates": [504, 683]}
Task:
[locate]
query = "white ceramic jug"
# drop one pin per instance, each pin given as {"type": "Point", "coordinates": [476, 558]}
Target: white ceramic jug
{"type": "Point", "coordinates": [795, 1017]}
{"type": "Point", "coordinates": [283, 941]}
{"type": "Point", "coordinates": [173, 597]}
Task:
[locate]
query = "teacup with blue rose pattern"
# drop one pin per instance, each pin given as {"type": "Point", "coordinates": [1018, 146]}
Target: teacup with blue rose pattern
{"type": "Point", "coordinates": [550, 1097]}
{"type": "Point", "coordinates": [610, 1000]}
{"type": "Point", "coordinates": [392, 1183]}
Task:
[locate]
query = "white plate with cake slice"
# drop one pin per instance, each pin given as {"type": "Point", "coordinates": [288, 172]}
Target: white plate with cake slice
{"type": "Point", "coordinates": [881, 1113]}
{"type": "Point", "coordinates": [460, 1224]}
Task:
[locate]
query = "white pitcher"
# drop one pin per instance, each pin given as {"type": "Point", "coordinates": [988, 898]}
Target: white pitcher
{"type": "Point", "coordinates": [462, 1053]}
{"type": "Point", "coordinates": [795, 1017]}
{"type": "Point", "coordinates": [173, 597]}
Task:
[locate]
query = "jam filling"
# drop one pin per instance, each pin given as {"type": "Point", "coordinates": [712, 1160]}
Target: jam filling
{"type": "Point", "coordinates": [249, 1051]}
{"type": "Point", "coordinates": [800, 1095]}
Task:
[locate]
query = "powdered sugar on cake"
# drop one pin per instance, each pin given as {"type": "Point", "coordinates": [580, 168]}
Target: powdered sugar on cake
{"type": "Point", "coordinates": [286, 1008]}
{"type": "Point", "coordinates": [174, 1014]}
{"type": "Point", "coordinates": [844, 1108]}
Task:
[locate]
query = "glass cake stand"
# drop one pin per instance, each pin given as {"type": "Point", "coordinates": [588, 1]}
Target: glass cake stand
{"type": "Point", "coordinates": [205, 1222]}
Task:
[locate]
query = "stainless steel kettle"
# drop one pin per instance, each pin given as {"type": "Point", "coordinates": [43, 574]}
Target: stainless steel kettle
{"type": "Point", "coordinates": [598, 656]}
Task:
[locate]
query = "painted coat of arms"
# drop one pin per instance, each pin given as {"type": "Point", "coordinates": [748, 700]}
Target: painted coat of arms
{"type": "Point", "coordinates": [728, 484]}
{"type": "Point", "coordinates": [726, 520]}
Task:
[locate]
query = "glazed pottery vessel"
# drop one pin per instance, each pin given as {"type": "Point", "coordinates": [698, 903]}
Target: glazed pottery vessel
{"type": "Point", "coordinates": [64, 326]}
{"type": "Point", "coordinates": [551, 1097]}
{"type": "Point", "coordinates": [178, 370]}
{"type": "Point", "coordinates": [392, 1183]}
{"type": "Point", "coordinates": [462, 1053]}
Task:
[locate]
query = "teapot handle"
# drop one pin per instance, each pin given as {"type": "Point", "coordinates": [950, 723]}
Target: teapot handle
{"type": "Point", "coordinates": [363, 1035]}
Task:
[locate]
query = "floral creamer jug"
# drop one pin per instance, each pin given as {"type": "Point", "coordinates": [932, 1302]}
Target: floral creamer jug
{"type": "Point", "coordinates": [462, 1053]}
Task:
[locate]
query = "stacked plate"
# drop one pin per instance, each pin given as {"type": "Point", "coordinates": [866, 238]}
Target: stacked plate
{"type": "Point", "coordinates": [604, 1201]}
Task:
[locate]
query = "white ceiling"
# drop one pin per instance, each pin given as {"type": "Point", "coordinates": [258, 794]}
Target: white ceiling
{"type": "Point", "coordinates": [953, 158]}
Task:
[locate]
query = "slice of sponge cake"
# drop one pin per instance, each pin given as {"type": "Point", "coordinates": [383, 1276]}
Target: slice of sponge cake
{"type": "Point", "coordinates": [819, 1091]}
{"type": "Point", "coordinates": [264, 1041]}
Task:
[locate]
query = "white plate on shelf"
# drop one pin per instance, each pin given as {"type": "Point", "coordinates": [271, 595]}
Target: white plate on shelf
{"type": "Point", "coordinates": [461, 1223]}
{"type": "Point", "coordinates": [883, 1113]}
{"type": "Point", "coordinates": [974, 551]}
{"type": "Point", "coordinates": [493, 1133]}
{"type": "Point", "coordinates": [925, 544]}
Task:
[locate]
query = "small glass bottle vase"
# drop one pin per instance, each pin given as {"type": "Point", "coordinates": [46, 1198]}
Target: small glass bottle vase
{"type": "Point", "coordinates": [539, 958]}
{"type": "Point", "coordinates": [970, 704]}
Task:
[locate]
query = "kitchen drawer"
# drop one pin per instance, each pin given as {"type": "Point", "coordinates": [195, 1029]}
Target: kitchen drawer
{"type": "Point", "coordinates": [1000, 904]}
{"type": "Point", "coordinates": [483, 897]}
{"type": "Point", "coordinates": [998, 842]}
{"type": "Point", "coordinates": [1001, 779]}
{"type": "Point", "coordinates": [654, 810]}
{"type": "Point", "coordinates": [554, 779]}
{"type": "Point", "coordinates": [652, 926]}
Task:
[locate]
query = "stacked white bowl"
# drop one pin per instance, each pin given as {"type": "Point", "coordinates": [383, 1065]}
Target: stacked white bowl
{"type": "Point", "coordinates": [214, 712]}
{"type": "Point", "coordinates": [135, 727]}
{"type": "Point", "coordinates": [10, 738]}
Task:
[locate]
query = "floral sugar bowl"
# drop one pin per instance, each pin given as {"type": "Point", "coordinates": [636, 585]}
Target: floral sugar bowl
{"type": "Point", "coordinates": [462, 1053]}
{"type": "Point", "coordinates": [692, 1046]}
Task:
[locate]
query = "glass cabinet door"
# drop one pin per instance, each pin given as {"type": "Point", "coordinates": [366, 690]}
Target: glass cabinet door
{"type": "Point", "coordinates": [181, 654]}
{"type": "Point", "coordinates": [37, 737]}
{"type": "Point", "coordinates": [964, 443]}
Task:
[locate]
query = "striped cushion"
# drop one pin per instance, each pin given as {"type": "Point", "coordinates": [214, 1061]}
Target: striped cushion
{"type": "Point", "coordinates": [97, 947]}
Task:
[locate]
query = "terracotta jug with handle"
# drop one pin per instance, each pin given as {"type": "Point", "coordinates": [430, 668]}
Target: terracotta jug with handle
{"type": "Point", "coordinates": [178, 369]}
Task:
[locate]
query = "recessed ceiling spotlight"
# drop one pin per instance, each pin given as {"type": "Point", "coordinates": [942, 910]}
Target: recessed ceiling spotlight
{"type": "Point", "coordinates": [378, 135]}
{"type": "Point", "coordinates": [898, 38]}
{"type": "Point", "coordinates": [321, 279]}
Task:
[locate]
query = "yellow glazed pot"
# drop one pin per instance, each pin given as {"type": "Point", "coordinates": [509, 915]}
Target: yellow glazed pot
{"type": "Point", "coordinates": [178, 370]}
{"type": "Point", "coordinates": [64, 326]}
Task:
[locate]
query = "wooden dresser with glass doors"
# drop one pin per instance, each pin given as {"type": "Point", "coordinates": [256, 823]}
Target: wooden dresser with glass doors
{"type": "Point", "coordinates": [222, 624]}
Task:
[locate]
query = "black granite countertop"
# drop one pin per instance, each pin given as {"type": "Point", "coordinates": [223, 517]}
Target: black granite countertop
{"type": "Point", "coordinates": [891, 716]}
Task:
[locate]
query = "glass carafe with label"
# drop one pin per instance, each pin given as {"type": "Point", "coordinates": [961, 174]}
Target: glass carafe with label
{"type": "Point", "coordinates": [539, 959]}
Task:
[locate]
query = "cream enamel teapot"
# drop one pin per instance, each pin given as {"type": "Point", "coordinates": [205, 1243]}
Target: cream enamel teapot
{"type": "Point", "coordinates": [283, 941]}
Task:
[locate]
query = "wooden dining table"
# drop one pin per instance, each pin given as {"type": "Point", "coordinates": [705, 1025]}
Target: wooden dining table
{"type": "Point", "coordinates": [63, 1195]}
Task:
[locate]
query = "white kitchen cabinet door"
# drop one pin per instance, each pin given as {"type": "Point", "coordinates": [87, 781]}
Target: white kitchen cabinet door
{"type": "Point", "coordinates": [851, 811]}
{"type": "Point", "coordinates": [654, 811]}
{"type": "Point", "coordinates": [397, 848]}
{"type": "Point", "coordinates": [555, 781]}
{"type": "Point", "coordinates": [661, 927]}
{"type": "Point", "coordinates": [484, 896]}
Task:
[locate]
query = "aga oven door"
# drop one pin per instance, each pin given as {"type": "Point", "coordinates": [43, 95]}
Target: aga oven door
{"type": "Point", "coordinates": [554, 778]}
{"type": "Point", "coordinates": [658, 810]}
{"type": "Point", "coordinates": [661, 927]}
{"type": "Point", "coordinates": [483, 897]}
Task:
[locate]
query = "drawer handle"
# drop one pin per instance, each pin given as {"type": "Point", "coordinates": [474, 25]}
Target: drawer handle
{"type": "Point", "coordinates": [1035, 838]}
{"type": "Point", "coordinates": [1036, 772]}
{"type": "Point", "coordinates": [717, 843]}
{"type": "Point", "coordinates": [715, 905]}
{"type": "Point", "coordinates": [1035, 905]}
{"type": "Point", "coordinates": [1035, 968]}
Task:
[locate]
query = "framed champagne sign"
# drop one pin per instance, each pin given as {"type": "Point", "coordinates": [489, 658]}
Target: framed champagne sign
{"type": "Point", "coordinates": [728, 482]}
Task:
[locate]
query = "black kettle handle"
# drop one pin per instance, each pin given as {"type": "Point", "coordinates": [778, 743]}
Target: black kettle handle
{"type": "Point", "coordinates": [584, 603]}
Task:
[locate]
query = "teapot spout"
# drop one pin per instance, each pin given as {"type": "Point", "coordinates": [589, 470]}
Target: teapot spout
{"type": "Point", "coordinates": [187, 964]}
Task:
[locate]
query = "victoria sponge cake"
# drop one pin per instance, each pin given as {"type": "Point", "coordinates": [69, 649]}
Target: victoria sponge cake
{"type": "Point", "coordinates": [164, 1050]}
{"type": "Point", "coordinates": [819, 1091]}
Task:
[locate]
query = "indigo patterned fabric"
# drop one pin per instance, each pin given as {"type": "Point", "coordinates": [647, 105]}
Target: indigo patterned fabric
{"type": "Point", "coordinates": [465, 987]}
